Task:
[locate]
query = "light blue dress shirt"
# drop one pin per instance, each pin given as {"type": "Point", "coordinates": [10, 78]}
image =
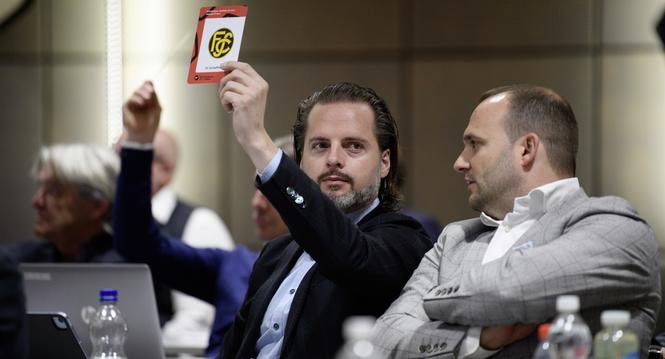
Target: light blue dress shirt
{"type": "Point", "coordinates": [269, 345]}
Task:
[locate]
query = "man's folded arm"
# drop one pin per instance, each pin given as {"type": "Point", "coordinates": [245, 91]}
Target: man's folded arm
{"type": "Point", "coordinates": [603, 258]}
{"type": "Point", "coordinates": [405, 330]}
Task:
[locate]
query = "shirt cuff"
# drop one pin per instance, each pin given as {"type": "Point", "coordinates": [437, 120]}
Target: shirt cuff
{"type": "Point", "coordinates": [137, 145]}
{"type": "Point", "coordinates": [471, 349]}
{"type": "Point", "coordinates": [266, 173]}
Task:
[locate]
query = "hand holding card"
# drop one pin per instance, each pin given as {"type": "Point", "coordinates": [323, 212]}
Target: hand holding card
{"type": "Point", "coordinates": [243, 92]}
{"type": "Point", "coordinates": [218, 38]}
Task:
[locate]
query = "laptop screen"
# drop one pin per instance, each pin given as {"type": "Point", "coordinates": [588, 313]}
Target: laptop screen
{"type": "Point", "coordinates": [74, 289]}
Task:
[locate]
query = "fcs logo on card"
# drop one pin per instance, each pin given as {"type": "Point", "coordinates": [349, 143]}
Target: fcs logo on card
{"type": "Point", "coordinates": [220, 43]}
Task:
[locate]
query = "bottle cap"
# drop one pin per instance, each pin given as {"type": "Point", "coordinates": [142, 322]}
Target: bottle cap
{"type": "Point", "coordinates": [543, 331]}
{"type": "Point", "coordinates": [567, 303]}
{"type": "Point", "coordinates": [615, 317]}
{"type": "Point", "coordinates": [358, 327]}
{"type": "Point", "coordinates": [108, 295]}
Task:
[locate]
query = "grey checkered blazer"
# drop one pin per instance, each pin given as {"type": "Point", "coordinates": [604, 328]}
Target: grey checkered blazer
{"type": "Point", "coordinates": [596, 248]}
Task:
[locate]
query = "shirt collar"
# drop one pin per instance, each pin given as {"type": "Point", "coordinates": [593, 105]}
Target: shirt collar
{"type": "Point", "coordinates": [356, 216]}
{"type": "Point", "coordinates": [536, 202]}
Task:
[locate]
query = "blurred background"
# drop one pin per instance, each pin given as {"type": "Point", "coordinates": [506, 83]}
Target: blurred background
{"type": "Point", "coordinates": [430, 59]}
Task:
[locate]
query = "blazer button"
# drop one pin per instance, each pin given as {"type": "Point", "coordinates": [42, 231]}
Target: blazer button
{"type": "Point", "coordinates": [290, 191]}
{"type": "Point", "coordinates": [299, 200]}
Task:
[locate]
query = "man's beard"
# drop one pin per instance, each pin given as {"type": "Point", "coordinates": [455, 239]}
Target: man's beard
{"type": "Point", "coordinates": [354, 199]}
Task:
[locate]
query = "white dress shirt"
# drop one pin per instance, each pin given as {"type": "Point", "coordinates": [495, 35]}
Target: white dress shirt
{"type": "Point", "coordinates": [526, 211]}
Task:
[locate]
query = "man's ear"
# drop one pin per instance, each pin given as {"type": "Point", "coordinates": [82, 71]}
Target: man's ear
{"type": "Point", "coordinates": [385, 163]}
{"type": "Point", "coordinates": [99, 208]}
{"type": "Point", "coordinates": [529, 146]}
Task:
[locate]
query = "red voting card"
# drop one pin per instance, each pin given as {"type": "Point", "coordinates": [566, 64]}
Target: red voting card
{"type": "Point", "coordinates": [218, 38]}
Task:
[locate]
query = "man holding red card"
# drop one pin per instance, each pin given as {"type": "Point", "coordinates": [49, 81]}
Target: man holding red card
{"type": "Point", "coordinates": [348, 252]}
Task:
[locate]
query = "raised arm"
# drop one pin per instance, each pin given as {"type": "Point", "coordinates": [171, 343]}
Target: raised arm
{"type": "Point", "coordinates": [243, 93]}
{"type": "Point", "coordinates": [141, 114]}
{"type": "Point", "coordinates": [137, 235]}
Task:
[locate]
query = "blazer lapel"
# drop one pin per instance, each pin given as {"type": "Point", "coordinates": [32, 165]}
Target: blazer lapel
{"type": "Point", "coordinates": [307, 282]}
{"type": "Point", "coordinates": [536, 235]}
{"type": "Point", "coordinates": [297, 306]}
{"type": "Point", "coordinates": [458, 253]}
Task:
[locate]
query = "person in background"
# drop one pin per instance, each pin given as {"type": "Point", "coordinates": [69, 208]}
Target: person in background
{"type": "Point", "coordinates": [489, 280]}
{"type": "Point", "coordinates": [76, 186]}
{"type": "Point", "coordinates": [431, 224]}
{"type": "Point", "coordinates": [75, 189]}
{"type": "Point", "coordinates": [268, 223]}
{"type": "Point", "coordinates": [190, 319]}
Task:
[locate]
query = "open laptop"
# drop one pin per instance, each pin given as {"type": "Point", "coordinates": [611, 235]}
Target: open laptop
{"type": "Point", "coordinates": [72, 288]}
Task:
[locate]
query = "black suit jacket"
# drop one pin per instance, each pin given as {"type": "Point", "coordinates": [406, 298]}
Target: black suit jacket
{"type": "Point", "coordinates": [360, 269]}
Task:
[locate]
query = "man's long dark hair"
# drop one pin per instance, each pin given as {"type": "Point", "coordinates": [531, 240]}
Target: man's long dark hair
{"type": "Point", "coordinates": [385, 130]}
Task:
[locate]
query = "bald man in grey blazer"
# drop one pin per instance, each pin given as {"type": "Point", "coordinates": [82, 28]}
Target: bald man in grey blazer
{"type": "Point", "coordinates": [489, 281]}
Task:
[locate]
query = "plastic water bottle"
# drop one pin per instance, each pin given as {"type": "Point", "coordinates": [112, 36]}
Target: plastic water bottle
{"type": "Point", "coordinates": [615, 341]}
{"type": "Point", "coordinates": [357, 334]}
{"type": "Point", "coordinates": [570, 337]}
{"type": "Point", "coordinates": [108, 328]}
{"type": "Point", "coordinates": [543, 349]}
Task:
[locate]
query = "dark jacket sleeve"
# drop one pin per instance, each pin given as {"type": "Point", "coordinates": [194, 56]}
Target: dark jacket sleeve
{"type": "Point", "coordinates": [13, 330]}
{"type": "Point", "coordinates": [205, 273]}
{"type": "Point", "coordinates": [383, 254]}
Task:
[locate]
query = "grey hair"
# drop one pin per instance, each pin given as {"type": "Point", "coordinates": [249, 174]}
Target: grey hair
{"type": "Point", "coordinates": [92, 169]}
